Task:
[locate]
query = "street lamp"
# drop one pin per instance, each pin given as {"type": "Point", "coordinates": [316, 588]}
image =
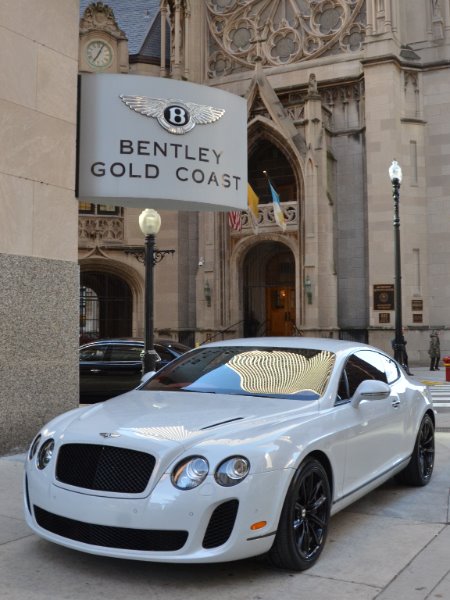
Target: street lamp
{"type": "Point", "coordinates": [395, 174]}
{"type": "Point", "coordinates": [150, 224]}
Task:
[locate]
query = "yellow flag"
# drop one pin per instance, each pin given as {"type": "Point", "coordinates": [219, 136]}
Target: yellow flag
{"type": "Point", "coordinates": [252, 201]}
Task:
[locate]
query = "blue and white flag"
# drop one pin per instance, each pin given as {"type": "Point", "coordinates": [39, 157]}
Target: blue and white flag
{"type": "Point", "coordinates": [277, 210]}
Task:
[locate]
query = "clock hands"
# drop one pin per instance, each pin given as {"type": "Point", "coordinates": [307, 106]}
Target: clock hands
{"type": "Point", "coordinates": [98, 53]}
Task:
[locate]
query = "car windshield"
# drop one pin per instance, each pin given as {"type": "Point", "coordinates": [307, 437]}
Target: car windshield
{"type": "Point", "coordinates": [299, 373]}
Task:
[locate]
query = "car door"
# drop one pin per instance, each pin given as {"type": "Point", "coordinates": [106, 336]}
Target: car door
{"type": "Point", "coordinates": [375, 428]}
{"type": "Point", "coordinates": [110, 369]}
{"type": "Point", "coordinates": [122, 369]}
{"type": "Point", "coordinates": [92, 359]}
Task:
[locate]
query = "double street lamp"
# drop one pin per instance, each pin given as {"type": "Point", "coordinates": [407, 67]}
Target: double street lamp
{"type": "Point", "coordinates": [395, 174]}
{"type": "Point", "coordinates": [150, 224]}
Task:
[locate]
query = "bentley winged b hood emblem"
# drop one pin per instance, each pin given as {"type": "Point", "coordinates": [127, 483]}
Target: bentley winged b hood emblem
{"type": "Point", "coordinates": [174, 115]}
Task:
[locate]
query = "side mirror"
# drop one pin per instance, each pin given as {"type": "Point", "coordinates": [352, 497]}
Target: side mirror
{"type": "Point", "coordinates": [147, 376]}
{"type": "Point", "coordinates": [370, 389]}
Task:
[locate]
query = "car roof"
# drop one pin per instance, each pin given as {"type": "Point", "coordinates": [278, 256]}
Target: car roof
{"type": "Point", "coordinates": [336, 346]}
{"type": "Point", "coordinates": [131, 341]}
{"type": "Point", "coordinates": [330, 344]}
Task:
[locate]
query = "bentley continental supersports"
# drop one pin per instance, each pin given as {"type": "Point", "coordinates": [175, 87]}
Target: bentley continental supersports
{"type": "Point", "coordinates": [235, 449]}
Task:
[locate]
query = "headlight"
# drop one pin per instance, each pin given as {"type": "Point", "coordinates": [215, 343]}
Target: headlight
{"type": "Point", "coordinates": [232, 471]}
{"type": "Point", "coordinates": [190, 472]}
{"type": "Point", "coordinates": [34, 446]}
{"type": "Point", "coordinates": [45, 453]}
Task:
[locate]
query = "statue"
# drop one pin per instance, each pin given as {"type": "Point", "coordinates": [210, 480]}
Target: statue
{"type": "Point", "coordinates": [435, 5]}
{"type": "Point", "coordinates": [312, 85]}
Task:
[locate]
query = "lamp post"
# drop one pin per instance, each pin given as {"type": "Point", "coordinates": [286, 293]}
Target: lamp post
{"type": "Point", "coordinates": [150, 224]}
{"type": "Point", "coordinates": [395, 174]}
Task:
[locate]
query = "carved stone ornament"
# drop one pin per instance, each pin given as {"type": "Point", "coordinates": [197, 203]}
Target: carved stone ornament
{"type": "Point", "coordinates": [99, 16]}
{"type": "Point", "coordinates": [280, 32]}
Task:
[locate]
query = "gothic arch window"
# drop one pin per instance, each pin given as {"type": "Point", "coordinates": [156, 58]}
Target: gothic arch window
{"type": "Point", "coordinates": [265, 156]}
{"type": "Point", "coordinates": [105, 306]}
{"type": "Point", "coordinates": [280, 32]}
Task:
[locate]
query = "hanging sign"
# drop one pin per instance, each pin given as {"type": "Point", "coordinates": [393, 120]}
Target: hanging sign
{"type": "Point", "coordinates": [152, 142]}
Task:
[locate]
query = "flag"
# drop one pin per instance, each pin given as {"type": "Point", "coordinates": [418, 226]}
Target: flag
{"type": "Point", "coordinates": [277, 210]}
{"type": "Point", "coordinates": [252, 201]}
{"type": "Point", "coordinates": [234, 220]}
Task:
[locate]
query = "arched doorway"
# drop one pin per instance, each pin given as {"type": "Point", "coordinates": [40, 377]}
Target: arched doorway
{"type": "Point", "coordinates": [269, 290]}
{"type": "Point", "coordinates": [105, 306]}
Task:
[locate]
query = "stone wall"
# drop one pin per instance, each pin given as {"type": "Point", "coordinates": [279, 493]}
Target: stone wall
{"type": "Point", "coordinates": [39, 215]}
{"type": "Point", "coordinates": [39, 348]}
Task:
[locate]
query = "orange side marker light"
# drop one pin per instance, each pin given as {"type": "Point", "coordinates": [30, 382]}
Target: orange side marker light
{"type": "Point", "coordinates": [258, 525]}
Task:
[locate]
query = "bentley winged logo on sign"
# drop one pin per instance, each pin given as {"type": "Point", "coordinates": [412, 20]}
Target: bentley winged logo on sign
{"type": "Point", "coordinates": [174, 115]}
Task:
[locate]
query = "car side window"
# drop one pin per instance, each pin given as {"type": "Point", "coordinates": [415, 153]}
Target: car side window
{"type": "Point", "coordinates": [364, 364]}
{"type": "Point", "coordinates": [164, 354]}
{"type": "Point", "coordinates": [125, 353]}
{"type": "Point", "coordinates": [343, 391]}
{"type": "Point", "coordinates": [93, 353]}
{"type": "Point", "coordinates": [392, 370]}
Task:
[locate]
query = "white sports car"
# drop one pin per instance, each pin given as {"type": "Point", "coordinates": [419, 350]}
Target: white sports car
{"type": "Point", "coordinates": [235, 449]}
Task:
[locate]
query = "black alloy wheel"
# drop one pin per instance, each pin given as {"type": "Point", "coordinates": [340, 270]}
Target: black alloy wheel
{"type": "Point", "coordinates": [303, 526]}
{"type": "Point", "coordinates": [420, 467]}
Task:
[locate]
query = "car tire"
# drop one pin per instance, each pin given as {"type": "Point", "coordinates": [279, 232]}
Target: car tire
{"type": "Point", "coordinates": [420, 467]}
{"type": "Point", "coordinates": [303, 525]}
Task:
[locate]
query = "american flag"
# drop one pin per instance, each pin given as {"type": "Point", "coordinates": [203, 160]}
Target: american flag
{"type": "Point", "coordinates": [234, 220]}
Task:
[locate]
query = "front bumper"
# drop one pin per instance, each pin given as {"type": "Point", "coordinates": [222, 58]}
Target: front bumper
{"type": "Point", "coordinates": [207, 524]}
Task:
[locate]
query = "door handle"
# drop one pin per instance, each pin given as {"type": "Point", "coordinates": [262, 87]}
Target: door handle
{"type": "Point", "coordinates": [395, 403]}
{"type": "Point", "coordinates": [95, 370]}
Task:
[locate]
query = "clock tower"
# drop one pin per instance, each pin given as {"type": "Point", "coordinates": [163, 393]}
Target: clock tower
{"type": "Point", "coordinates": [103, 45]}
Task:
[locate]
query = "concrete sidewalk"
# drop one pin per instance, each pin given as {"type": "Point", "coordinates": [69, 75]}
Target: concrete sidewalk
{"type": "Point", "coordinates": [430, 377]}
{"type": "Point", "coordinates": [394, 544]}
{"type": "Point", "coordinates": [436, 381]}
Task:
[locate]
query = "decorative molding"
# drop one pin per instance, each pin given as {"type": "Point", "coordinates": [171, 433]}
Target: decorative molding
{"type": "Point", "coordinates": [266, 219]}
{"type": "Point", "coordinates": [100, 17]}
{"type": "Point", "coordinates": [100, 229]}
{"type": "Point", "coordinates": [276, 32]}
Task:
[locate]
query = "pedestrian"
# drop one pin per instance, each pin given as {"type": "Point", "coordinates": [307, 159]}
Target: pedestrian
{"type": "Point", "coordinates": [434, 350]}
{"type": "Point", "coordinates": [400, 351]}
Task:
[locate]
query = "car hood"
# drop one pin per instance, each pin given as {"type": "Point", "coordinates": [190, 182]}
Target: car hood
{"type": "Point", "coordinates": [182, 417]}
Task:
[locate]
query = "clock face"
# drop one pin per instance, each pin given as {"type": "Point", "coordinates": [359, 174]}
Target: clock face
{"type": "Point", "coordinates": [99, 54]}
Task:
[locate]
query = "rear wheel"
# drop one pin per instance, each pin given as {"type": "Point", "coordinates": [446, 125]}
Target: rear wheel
{"type": "Point", "coordinates": [304, 519]}
{"type": "Point", "coordinates": [420, 467]}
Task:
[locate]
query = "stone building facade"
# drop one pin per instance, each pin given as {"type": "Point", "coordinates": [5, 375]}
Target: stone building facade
{"type": "Point", "coordinates": [336, 90]}
{"type": "Point", "coordinates": [38, 226]}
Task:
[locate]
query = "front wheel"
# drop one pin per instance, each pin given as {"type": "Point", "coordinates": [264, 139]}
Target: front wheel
{"type": "Point", "coordinates": [420, 467]}
{"type": "Point", "coordinates": [304, 519]}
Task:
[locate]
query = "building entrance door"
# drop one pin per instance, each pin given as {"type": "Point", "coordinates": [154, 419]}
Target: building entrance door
{"type": "Point", "coordinates": [269, 291]}
{"type": "Point", "coordinates": [280, 310]}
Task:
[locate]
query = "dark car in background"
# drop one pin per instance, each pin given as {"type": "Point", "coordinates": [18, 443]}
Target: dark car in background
{"type": "Point", "coordinates": [114, 366]}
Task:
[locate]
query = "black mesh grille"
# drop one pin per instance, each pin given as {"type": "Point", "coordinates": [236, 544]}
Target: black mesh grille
{"type": "Point", "coordinates": [221, 524]}
{"type": "Point", "coordinates": [111, 537]}
{"type": "Point", "coordinates": [104, 468]}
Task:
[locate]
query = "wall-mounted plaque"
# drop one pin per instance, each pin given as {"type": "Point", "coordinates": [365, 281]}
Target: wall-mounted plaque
{"type": "Point", "coordinates": [417, 318]}
{"type": "Point", "coordinates": [383, 296]}
{"type": "Point", "coordinates": [384, 317]}
{"type": "Point", "coordinates": [417, 305]}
